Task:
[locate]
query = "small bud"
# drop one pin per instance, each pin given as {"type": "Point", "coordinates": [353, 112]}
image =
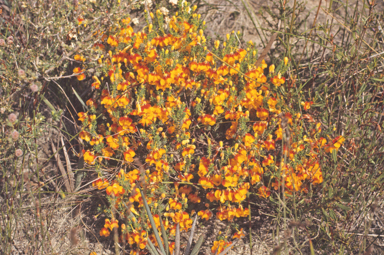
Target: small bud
{"type": "Point", "coordinates": [21, 73]}
{"type": "Point", "coordinates": [15, 135]}
{"type": "Point", "coordinates": [285, 61]}
{"type": "Point", "coordinates": [272, 68]}
{"type": "Point", "coordinates": [18, 153]}
{"type": "Point", "coordinates": [10, 40]}
{"type": "Point", "coordinates": [34, 87]}
{"type": "Point", "coordinates": [2, 42]}
{"type": "Point", "coordinates": [217, 44]}
{"type": "Point", "coordinates": [12, 117]}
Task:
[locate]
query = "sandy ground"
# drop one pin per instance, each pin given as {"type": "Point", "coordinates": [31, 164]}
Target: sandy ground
{"type": "Point", "coordinates": [228, 16]}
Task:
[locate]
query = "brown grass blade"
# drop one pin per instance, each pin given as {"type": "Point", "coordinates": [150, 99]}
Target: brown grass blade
{"type": "Point", "coordinates": [61, 167]}
{"type": "Point", "coordinates": [266, 49]}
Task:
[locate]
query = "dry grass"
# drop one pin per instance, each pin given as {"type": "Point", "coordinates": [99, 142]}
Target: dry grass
{"type": "Point", "coordinates": [37, 219]}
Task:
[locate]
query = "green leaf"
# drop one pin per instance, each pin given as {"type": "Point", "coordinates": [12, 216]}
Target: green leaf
{"type": "Point", "coordinates": [311, 247]}
{"type": "Point", "coordinates": [79, 98]}
{"type": "Point", "coordinates": [152, 222]}
{"type": "Point", "coordinates": [198, 245]}
{"type": "Point", "coordinates": [378, 180]}
{"type": "Point", "coordinates": [325, 214]}
{"type": "Point", "coordinates": [345, 208]}
{"type": "Point", "coordinates": [151, 248]}
{"type": "Point", "coordinates": [332, 214]}
{"type": "Point", "coordinates": [334, 155]}
{"type": "Point", "coordinates": [191, 236]}
{"type": "Point", "coordinates": [376, 79]}
{"type": "Point", "coordinates": [165, 237]}
{"type": "Point", "coordinates": [330, 192]}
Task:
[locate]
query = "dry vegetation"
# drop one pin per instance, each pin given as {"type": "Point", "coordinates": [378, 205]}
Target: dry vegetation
{"type": "Point", "coordinates": [48, 204]}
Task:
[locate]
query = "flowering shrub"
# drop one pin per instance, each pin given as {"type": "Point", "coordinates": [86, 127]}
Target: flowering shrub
{"type": "Point", "coordinates": [192, 126]}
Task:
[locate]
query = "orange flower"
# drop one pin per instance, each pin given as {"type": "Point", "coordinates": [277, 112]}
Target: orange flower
{"type": "Point", "coordinates": [186, 177]}
{"type": "Point", "coordinates": [216, 179]}
{"type": "Point", "coordinates": [307, 105]}
{"type": "Point", "coordinates": [174, 204]}
{"type": "Point", "coordinates": [279, 133]}
{"type": "Point", "coordinates": [205, 214]}
{"type": "Point", "coordinates": [85, 136]}
{"type": "Point", "coordinates": [248, 140]}
{"type": "Point", "coordinates": [79, 58]}
{"type": "Point", "coordinates": [114, 224]}
{"type": "Point", "coordinates": [89, 157]}
{"type": "Point", "coordinates": [107, 152]}
{"type": "Point", "coordinates": [206, 183]}
{"type": "Point", "coordinates": [128, 155]}
{"type": "Point", "coordinates": [264, 192]}
{"type": "Point", "coordinates": [336, 144]}
{"type": "Point", "coordinates": [112, 41]}
{"type": "Point", "coordinates": [203, 166]}
{"type": "Point", "coordinates": [80, 77]}
{"type": "Point", "coordinates": [132, 176]}
{"type": "Point", "coordinates": [97, 82]}
{"type": "Point", "coordinates": [230, 181]}
{"type": "Point", "coordinates": [239, 234]}
{"type": "Point", "coordinates": [189, 150]}
{"type": "Point", "coordinates": [104, 232]}
{"type": "Point", "coordinates": [211, 196]}
{"type": "Point", "coordinates": [113, 142]}
{"type": "Point", "coordinates": [116, 189]}
{"type": "Point", "coordinates": [127, 125]}
{"type": "Point", "coordinates": [268, 161]}
{"type": "Point", "coordinates": [194, 198]}
{"type": "Point", "coordinates": [269, 144]}
{"type": "Point", "coordinates": [259, 127]}
{"type": "Point", "coordinates": [262, 113]}
{"type": "Point", "coordinates": [207, 119]}
{"type": "Point", "coordinates": [171, 247]}
{"type": "Point", "coordinates": [278, 81]}
{"type": "Point", "coordinates": [82, 116]}
{"type": "Point", "coordinates": [100, 183]}
{"type": "Point", "coordinates": [219, 246]}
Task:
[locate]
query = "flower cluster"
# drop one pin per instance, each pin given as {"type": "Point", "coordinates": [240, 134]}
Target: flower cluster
{"type": "Point", "coordinates": [205, 126]}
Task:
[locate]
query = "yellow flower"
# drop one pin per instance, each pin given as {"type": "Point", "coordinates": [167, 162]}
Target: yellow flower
{"type": "Point", "coordinates": [104, 232]}
{"type": "Point", "coordinates": [89, 157]}
{"type": "Point", "coordinates": [262, 113]}
{"type": "Point", "coordinates": [264, 192]}
{"type": "Point", "coordinates": [85, 136]}
{"type": "Point", "coordinates": [116, 189]}
{"type": "Point", "coordinates": [205, 214]}
{"type": "Point", "coordinates": [128, 155]}
{"type": "Point", "coordinates": [248, 140]}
